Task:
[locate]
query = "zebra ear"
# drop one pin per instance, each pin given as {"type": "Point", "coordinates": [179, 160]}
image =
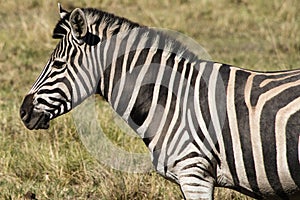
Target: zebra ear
{"type": "Point", "coordinates": [62, 12]}
{"type": "Point", "coordinates": [78, 23]}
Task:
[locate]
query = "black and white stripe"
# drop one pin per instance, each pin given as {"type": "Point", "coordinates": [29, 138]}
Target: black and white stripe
{"type": "Point", "coordinates": [206, 124]}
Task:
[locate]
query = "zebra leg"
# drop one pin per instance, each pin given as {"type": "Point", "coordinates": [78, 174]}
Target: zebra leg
{"type": "Point", "coordinates": [201, 190]}
{"type": "Point", "coordinates": [196, 184]}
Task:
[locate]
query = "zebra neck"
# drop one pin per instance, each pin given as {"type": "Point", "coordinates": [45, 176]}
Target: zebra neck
{"type": "Point", "coordinates": [139, 68]}
{"type": "Point", "coordinates": [135, 64]}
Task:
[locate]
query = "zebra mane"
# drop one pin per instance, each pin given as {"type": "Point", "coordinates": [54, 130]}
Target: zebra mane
{"type": "Point", "coordinates": [93, 16]}
{"type": "Point", "coordinates": [114, 24]}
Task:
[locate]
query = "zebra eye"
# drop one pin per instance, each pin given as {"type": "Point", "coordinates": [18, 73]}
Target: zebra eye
{"type": "Point", "coordinates": [58, 64]}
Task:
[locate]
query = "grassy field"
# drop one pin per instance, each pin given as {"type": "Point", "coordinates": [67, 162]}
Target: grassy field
{"type": "Point", "coordinates": [54, 164]}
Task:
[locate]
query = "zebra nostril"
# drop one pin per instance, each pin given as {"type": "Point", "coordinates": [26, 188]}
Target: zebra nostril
{"type": "Point", "coordinates": [26, 107]}
{"type": "Point", "coordinates": [22, 113]}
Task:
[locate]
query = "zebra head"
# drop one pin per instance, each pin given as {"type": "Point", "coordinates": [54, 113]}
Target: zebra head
{"type": "Point", "coordinates": [66, 79]}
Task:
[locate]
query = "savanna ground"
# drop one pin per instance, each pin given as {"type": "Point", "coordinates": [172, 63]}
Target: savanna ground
{"type": "Point", "coordinates": [54, 164]}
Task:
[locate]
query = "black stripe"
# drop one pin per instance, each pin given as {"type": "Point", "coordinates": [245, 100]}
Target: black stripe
{"type": "Point", "coordinates": [180, 65]}
{"type": "Point", "coordinates": [268, 116]}
{"type": "Point", "coordinates": [73, 61]}
{"type": "Point", "coordinates": [96, 29]}
{"type": "Point", "coordinates": [242, 115]}
{"type": "Point", "coordinates": [52, 91]}
{"type": "Point", "coordinates": [156, 121]}
{"type": "Point", "coordinates": [209, 160]}
{"type": "Point", "coordinates": [195, 74]}
{"type": "Point", "coordinates": [223, 78]}
{"type": "Point", "coordinates": [119, 66]}
{"type": "Point", "coordinates": [292, 140]}
{"type": "Point", "coordinates": [62, 102]}
{"type": "Point", "coordinates": [76, 89]}
{"type": "Point", "coordinates": [141, 106]}
{"type": "Point", "coordinates": [129, 59]}
{"type": "Point", "coordinates": [167, 124]}
{"type": "Point", "coordinates": [110, 51]}
{"type": "Point", "coordinates": [106, 77]}
{"type": "Point", "coordinates": [203, 100]}
{"type": "Point", "coordinates": [60, 29]}
{"type": "Point", "coordinates": [190, 155]}
{"type": "Point", "coordinates": [142, 58]}
{"type": "Point", "coordinates": [117, 77]}
{"type": "Point", "coordinates": [108, 65]}
{"type": "Point", "coordinates": [199, 132]}
{"type": "Point", "coordinates": [104, 32]}
{"type": "Point", "coordinates": [196, 165]}
{"type": "Point", "coordinates": [95, 64]}
{"type": "Point", "coordinates": [132, 51]}
{"type": "Point", "coordinates": [162, 139]}
{"type": "Point", "coordinates": [196, 176]}
{"type": "Point", "coordinates": [46, 103]}
{"type": "Point", "coordinates": [187, 71]}
{"type": "Point", "coordinates": [66, 48]}
{"type": "Point", "coordinates": [258, 79]}
{"type": "Point", "coordinates": [227, 138]}
{"type": "Point", "coordinates": [80, 80]}
{"type": "Point", "coordinates": [144, 99]}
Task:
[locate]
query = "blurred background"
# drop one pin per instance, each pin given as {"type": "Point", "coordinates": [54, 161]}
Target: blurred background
{"type": "Point", "coordinates": [53, 164]}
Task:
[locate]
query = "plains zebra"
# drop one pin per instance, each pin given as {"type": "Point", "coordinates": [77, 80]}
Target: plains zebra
{"type": "Point", "coordinates": [206, 124]}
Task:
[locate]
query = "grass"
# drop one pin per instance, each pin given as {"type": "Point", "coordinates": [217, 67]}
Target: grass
{"type": "Point", "coordinates": [54, 164]}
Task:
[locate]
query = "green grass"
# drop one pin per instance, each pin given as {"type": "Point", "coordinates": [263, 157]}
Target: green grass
{"type": "Point", "coordinates": [54, 164]}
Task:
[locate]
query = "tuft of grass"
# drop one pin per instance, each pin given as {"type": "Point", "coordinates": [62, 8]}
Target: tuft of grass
{"type": "Point", "coordinates": [54, 164]}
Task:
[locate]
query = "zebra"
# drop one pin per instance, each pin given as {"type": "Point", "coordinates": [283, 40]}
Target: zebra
{"type": "Point", "coordinates": [206, 124]}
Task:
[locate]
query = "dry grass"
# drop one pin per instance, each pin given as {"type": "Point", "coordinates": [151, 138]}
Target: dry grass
{"type": "Point", "coordinates": [53, 164]}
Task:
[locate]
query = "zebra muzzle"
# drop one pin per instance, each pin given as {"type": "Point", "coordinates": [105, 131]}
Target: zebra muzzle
{"type": "Point", "coordinates": [33, 119]}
